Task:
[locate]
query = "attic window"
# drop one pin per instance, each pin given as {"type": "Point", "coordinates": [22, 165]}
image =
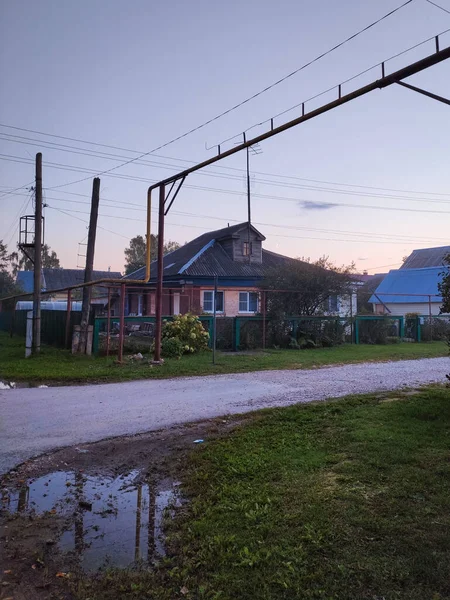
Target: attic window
{"type": "Point", "coordinates": [246, 248]}
{"type": "Point", "coordinates": [168, 266]}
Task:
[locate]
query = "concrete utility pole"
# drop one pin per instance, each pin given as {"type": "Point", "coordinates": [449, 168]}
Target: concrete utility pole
{"type": "Point", "coordinates": [87, 290]}
{"type": "Point", "coordinates": [37, 257]}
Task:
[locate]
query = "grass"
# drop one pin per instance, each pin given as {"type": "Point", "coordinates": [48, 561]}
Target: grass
{"type": "Point", "coordinates": [344, 500]}
{"type": "Point", "coordinates": [59, 366]}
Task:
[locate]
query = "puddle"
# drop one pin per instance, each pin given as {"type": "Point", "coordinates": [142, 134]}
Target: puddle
{"type": "Point", "coordinates": [111, 522]}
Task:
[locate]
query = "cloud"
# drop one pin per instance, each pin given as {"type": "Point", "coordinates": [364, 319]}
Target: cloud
{"type": "Point", "coordinates": [311, 205]}
{"type": "Point", "coordinates": [362, 258]}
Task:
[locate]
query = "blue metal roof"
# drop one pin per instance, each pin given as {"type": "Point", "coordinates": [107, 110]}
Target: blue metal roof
{"type": "Point", "coordinates": [410, 283]}
{"type": "Point", "coordinates": [26, 280]}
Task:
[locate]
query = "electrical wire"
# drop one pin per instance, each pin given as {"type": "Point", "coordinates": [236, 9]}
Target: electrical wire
{"type": "Point", "coordinates": [86, 222]}
{"type": "Point", "coordinates": [207, 172]}
{"type": "Point", "coordinates": [11, 192]}
{"type": "Point", "coordinates": [438, 6]}
{"type": "Point", "coordinates": [268, 182]}
{"type": "Point", "coordinates": [239, 193]}
{"type": "Point", "coordinates": [250, 98]}
{"type": "Point", "coordinates": [333, 87]}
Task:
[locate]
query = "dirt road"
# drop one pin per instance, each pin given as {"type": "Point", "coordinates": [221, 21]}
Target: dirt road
{"type": "Point", "coordinates": [33, 421]}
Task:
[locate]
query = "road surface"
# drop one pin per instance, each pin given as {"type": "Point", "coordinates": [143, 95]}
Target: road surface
{"type": "Point", "coordinates": [34, 420]}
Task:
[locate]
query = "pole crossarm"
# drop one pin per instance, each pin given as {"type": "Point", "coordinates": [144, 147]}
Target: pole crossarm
{"type": "Point", "coordinates": [385, 81]}
{"type": "Point", "coordinates": [424, 92]}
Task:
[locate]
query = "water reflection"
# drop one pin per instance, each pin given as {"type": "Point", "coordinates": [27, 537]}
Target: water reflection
{"type": "Point", "coordinates": [111, 521]}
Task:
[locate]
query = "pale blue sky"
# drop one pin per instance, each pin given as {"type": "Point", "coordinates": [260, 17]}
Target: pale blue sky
{"type": "Point", "coordinates": [136, 74]}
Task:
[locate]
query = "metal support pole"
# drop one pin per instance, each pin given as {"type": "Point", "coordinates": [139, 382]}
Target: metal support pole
{"type": "Point", "coordinates": [148, 249]}
{"type": "Point", "coordinates": [37, 258]}
{"type": "Point", "coordinates": [122, 322]}
{"type": "Point", "coordinates": [249, 214]}
{"type": "Point", "coordinates": [351, 318]}
{"type": "Point", "coordinates": [68, 314]}
{"type": "Point", "coordinates": [159, 284]}
{"type": "Point", "coordinates": [108, 322]}
{"type": "Point", "coordinates": [430, 318]}
{"type": "Point", "coordinates": [87, 291]}
{"type": "Point", "coordinates": [215, 320]}
{"type": "Point", "coordinates": [263, 301]}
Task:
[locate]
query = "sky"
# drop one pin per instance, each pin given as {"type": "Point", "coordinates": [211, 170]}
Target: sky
{"type": "Point", "coordinates": [135, 75]}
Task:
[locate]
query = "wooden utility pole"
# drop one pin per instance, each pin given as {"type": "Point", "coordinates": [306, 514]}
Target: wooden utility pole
{"type": "Point", "coordinates": [87, 290]}
{"type": "Point", "coordinates": [36, 345]}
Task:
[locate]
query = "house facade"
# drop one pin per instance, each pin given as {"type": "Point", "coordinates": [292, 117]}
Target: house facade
{"type": "Point", "coordinates": [234, 259]}
{"type": "Point", "coordinates": [414, 287]}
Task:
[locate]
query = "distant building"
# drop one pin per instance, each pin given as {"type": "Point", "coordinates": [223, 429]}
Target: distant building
{"type": "Point", "coordinates": [56, 279]}
{"type": "Point", "coordinates": [414, 287]}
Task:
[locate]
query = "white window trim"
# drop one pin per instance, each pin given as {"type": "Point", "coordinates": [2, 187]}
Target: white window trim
{"type": "Point", "coordinates": [211, 312]}
{"type": "Point", "coordinates": [247, 312]}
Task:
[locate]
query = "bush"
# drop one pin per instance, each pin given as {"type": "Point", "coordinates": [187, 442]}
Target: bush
{"type": "Point", "coordinates": [172, 347]}
{"type": "Point", "coordinates": [189, 332]}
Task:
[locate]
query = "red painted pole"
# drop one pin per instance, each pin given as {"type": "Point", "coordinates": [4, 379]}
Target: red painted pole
{"type": "Point", "coordinates": [159, 285]}
{"type": "Point", "coordinates": [263, 300]}
{"type": "Point", "coordinates": [122, 322]}
{"type": "Point", "coordinates": [108, 322]}
{"type": "Point", "coordinates": [68, 314]}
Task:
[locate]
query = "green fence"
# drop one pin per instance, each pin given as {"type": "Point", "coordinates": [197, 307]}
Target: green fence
{"type": "Point", "coordinates": [250, 332]}
{"type": "Point", "coordinates": [53, 324]}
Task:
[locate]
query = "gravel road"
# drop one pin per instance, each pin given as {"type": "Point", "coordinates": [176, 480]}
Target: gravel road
{"type": "Point", "coordinates": [33, 421]}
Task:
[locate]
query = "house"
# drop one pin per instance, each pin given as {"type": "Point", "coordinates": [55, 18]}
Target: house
{"type": "Point", "coordinates": [235, 256]}
{"type": "Point", "coordinates": [414, 287]}
{"type": "Point", "coordinates": [56, 279]}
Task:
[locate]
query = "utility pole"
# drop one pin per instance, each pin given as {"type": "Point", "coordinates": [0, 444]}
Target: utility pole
{"type": "Point", "coordinates": [36, 345]}
{"type": "Point", "coordinates": [248, 205]}
{"type": "Point", "coordinates": [87, 290]}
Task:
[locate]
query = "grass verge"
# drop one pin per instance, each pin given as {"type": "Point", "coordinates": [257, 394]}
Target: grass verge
{"type": "Point", "coordinates": [56, 365]}
{"type": "Point", "coordinates": [344, 500]}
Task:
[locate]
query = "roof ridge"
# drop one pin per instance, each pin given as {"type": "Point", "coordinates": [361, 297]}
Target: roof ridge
{"type": "Point", "coordinates": [194, 258]}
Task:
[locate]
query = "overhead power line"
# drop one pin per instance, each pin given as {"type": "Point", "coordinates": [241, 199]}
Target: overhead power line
{"type": "Point", "coordinates": [250, 98]}
{"type": "Point", "coordinates": [208, 173]}
{"type": "Point", "coordinates": [438, 6]}
{"type": "Point", "coordinates": [364, 234]}
{"type": "Point", "coordinates": [76, 169]}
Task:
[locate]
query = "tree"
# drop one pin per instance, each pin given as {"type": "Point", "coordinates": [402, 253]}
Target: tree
{"type": "Point", "coordinates": [312, 284]}
{"type": "Point", "coordinates": [7, 283]}
{"type": "Point", "coordinates": [444, 286]}
{"type": "Point", "coordinates": [136, 252]}
{"type": "Point", "coordinates": [20, 262]}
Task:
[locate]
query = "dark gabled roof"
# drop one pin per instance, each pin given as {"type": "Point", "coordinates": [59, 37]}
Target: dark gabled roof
{"type": "Point", "coordinates": [204, 257]}
{"type": "Point", "coordinates": [426, 257]}
{"type": "Point", "coordinates": [410, 283]}
{"type": "Point", "coordinates": [55, 279]}
{"type": "Point", "coordinates": [60, 278]}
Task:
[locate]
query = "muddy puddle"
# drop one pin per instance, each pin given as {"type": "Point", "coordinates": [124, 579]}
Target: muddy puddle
{"type": "Point", "coordinates": [109, 521]}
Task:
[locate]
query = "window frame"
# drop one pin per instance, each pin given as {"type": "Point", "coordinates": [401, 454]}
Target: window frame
{"type": "Point", "coordinates": [248, 246]}
{"type": "Point", "coordinates": [248, 311]}
{"type": "Point", "coordinates": [210, 312]}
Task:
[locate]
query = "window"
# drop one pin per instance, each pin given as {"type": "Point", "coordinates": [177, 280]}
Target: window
{"type": "Point", "coordinates": [333, 304]}
{"type": "Point", "coordinates": [246, 248]}
{"type": "Point", "coordinates": [140, 309]}
{"type": "Point", "coordinates": [208, 299]}
{"type": "Point", "coordinates": [248, 302]}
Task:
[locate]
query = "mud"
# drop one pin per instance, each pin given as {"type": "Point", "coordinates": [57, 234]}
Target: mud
{"type": "Point", "coordinates": [83, 509]}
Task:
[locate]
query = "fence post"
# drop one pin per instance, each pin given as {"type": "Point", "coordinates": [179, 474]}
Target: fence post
{"type": "Point", "coordinates": [95, 341]}
{"type": "Point", "coordinates": [356, 330]}
{"type": "Point", "coordinates": [418, 330]}
{"type": "Point", "coordinates": [402, 327]}
{"type": "Point", "coordinates": [237, 333]}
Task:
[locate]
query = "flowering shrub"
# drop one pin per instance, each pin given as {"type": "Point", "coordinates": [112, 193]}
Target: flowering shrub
{"type": "Point", "coordinates": [188, 329]}
{"type": "Point", "coordinates": [172, 348]}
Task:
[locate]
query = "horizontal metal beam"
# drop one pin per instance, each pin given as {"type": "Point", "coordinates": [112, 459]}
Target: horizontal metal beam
{"type": "Point", "coordinates": [424, 92]}
{"type": "Point", "coordinates": [412, 69]}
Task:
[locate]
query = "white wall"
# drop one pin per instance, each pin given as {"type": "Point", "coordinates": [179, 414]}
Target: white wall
{"type": "Point", "coordinates": [401, 309]}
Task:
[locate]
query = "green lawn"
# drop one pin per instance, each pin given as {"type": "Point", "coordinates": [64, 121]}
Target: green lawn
{"type": "Point", "coordinates": [344, 500]}
{"type": "Point", "coordinates": [56, 365]}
